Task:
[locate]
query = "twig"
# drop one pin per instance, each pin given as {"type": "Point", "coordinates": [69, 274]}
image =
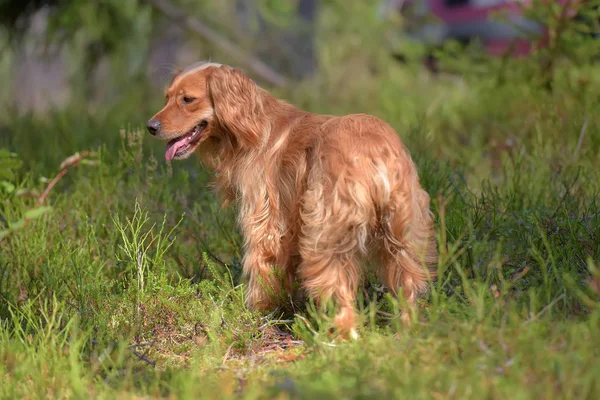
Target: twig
{"type": "Point", "coordinates": [50, 186]}
{"type": "Point", "coordinates": [65, 165]}
{"type": "Point", "coordinates": [580, 141]}
{"type": "Point", "coordinates": [307, 324]}
{"type": "Point", "coordinates": [227, 354]}
{"type": "Point", "coordinates": [515, 277]}
{"type": "Point", "coordinates": [175, 13]}
{"type": "Point", "coordinates": [275, 322]}
{"type": "Point", "coordinates": [553, 38]}
{"type": "Point", "coordinates": [545, 309]}
{"type": "Point", "coordinates": [567, 192]}
{"type": "Point", "coordinates": [140, 355]}
{"type": "Point", "coordinates": [144, 358]}
{"type": "Point", "coordinates": [484, 348]}
{"type": "Point", "coordinates": [134, 346]}
{"type": "Point", "coordinates": [387, 314]}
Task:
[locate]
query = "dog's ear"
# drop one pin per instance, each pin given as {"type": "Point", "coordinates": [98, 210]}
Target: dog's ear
{"type": "Point", "coordinates": [238, 105]}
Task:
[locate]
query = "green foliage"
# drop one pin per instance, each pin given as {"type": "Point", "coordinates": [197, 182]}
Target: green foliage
{"type": "Point", "coordinates": [113, 294]}
{"type": "Point", "coordinates": [9, 165]}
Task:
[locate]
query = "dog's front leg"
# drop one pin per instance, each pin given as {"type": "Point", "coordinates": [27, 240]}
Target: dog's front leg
{"type": "Point", "coordinates": [264, 257]}
{"type": "Point", "coordinates": [262, 265]}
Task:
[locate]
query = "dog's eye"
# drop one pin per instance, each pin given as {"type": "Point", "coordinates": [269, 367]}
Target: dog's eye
{"type": "Point", "coordinates": [188, 99]}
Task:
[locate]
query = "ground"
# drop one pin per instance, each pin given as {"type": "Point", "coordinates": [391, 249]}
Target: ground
{"type": "Point", "coordinates": [120, 276]}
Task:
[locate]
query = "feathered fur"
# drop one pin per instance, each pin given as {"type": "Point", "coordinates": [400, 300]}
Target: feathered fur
{"type": "Point", "coordinates": [316, 193]}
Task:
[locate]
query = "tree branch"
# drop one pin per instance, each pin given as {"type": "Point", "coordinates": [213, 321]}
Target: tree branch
{"type": "Point", "coordinates": [261, 69]}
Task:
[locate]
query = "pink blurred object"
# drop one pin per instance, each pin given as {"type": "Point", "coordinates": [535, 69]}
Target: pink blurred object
{"type": "Point", "coordinates": [434, 21]}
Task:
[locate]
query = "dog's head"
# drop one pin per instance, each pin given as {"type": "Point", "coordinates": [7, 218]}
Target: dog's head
{"type": "Point", "coordinates": [208, 102]}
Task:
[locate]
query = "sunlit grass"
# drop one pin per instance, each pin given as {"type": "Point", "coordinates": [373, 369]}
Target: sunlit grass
{"type": "Point", "coordinates": [111, 293]}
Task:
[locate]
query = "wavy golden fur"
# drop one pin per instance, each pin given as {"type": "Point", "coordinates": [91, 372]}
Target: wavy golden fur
{"type": "Point", "coordinates": [316, 193]}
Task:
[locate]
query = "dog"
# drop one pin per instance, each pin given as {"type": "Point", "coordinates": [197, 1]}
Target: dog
{"type": "Point", "coordinates": [317, 194]}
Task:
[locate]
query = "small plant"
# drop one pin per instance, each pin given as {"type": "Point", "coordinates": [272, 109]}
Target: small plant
{"type": "Point", "coordinates": [143, 249]}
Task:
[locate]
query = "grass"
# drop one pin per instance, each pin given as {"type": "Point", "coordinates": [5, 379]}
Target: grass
{"type": "Point", "coordinates": [127, 283]}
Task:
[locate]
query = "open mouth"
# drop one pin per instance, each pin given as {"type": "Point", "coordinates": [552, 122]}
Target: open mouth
{"type": "Point", "coordinates": [182, 146]}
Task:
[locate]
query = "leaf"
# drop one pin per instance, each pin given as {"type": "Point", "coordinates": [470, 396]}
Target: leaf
{"type": "Point", "coordinates": [17, 225]}
{"type": "Point", "coordinates": [6, 173]}
{"type": "Point", "coordinates": [90, 162]}
{"type": "Point", "coordinates": [37, 212]}
{"type": "Point", "coordinates": [7, 187]}
{"type": "Point", "coordinates": [8, 164]}
{"type": "Point", "coordinates": [4, 153]}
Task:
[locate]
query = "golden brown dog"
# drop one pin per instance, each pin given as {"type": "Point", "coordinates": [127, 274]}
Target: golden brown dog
{"type": "Point", "coordinates": [316, 193]}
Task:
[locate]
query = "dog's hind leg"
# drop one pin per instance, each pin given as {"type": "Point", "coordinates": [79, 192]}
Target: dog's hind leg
{"type": "Point", "coordinates": [334, 235]}
{"type": "Point", "coordinates": [409, 250]}
{"type": "Point", "coordinates": [327, 276]}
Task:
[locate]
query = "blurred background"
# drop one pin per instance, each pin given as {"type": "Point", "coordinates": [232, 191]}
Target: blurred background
{"type": "Point", "coordinates": [54, 51]}
{"type": "Point", "coordinates": [465, 75]}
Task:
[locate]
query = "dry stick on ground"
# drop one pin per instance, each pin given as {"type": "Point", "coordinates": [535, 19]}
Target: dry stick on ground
{"type": "Point", "coordinates": [227, 354]}
{"type": "Point", "coordinates": [50, 186]}
{"type": "Point", "coordinates": [141, 356]}
{"type": "Point", "coordinates": [65, 165]}
{"type": "Point", "coordinates": [175, 13]}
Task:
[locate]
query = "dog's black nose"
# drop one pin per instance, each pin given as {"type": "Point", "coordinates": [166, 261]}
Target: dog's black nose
{"type": "Point", "coordinates": [153, 126]}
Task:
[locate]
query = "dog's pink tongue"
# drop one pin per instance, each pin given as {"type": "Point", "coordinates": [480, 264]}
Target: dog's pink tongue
{"type": "Point", "coordinates": [172, 148]}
